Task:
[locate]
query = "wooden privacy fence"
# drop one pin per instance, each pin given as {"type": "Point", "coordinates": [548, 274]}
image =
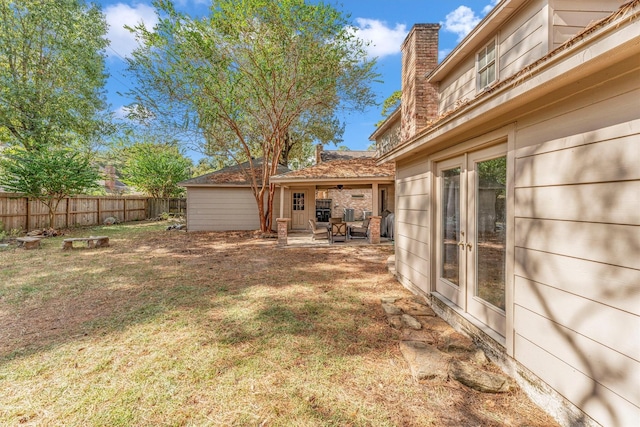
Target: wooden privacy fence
{"type": "Point", "coordinates": [159, 206]}
{"type": "Point", "coordinates": [19, 212]}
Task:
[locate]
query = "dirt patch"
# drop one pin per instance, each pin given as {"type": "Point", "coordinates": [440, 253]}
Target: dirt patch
{"type": "Point", "coordinates": [215, 329]}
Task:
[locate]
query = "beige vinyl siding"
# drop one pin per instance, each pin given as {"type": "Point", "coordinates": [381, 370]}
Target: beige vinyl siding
{"type": "Point", "coordinates": [413, 193]}
{"type": "Point", "coordinates": [460, 85]}
{"type": "Point", "coordinates": [223, 209]}
{"type": "Point", "coordinates": [523, 40]}
{"type": "Point", "coordinates": [577, 239]}
{"type": "Point", "coordinates": [572, 16]}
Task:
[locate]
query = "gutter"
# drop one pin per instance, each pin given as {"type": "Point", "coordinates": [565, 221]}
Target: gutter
{"type": "Point", "coordinates": [508, 93]}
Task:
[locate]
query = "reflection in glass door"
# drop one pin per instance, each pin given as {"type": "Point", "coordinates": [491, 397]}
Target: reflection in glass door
{"type": "Point", "coordinates": [471, 247]}
{"type": "Point", "coordinates": [491, 242]}
{"type": "Point", "coordinates": [450, 217]}
{"type": "Point", "coordinates": [486, 246]}
{"type": "Point", "coordinates": [451, 223]}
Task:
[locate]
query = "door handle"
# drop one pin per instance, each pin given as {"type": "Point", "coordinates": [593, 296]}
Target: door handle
{"type": "Point", "coordinates": [469, 246]}
{"type": "Point", "coordinates": [461, 244]}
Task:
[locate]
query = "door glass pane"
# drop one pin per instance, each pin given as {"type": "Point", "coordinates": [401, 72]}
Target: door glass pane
{"type": "Point", "coordinates": [298, 201]}
{"type": "Point", "coordinates": [450, 262]}
{"type": "Point", "coordinates": [491, 230]}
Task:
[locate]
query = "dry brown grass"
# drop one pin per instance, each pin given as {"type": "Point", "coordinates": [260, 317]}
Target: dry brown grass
{"type": "Point", "coordinates": [170, 328]}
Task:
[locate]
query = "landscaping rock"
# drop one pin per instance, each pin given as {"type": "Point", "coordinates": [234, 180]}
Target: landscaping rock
{"type": "Point", "coordinates": [414, 307]}
{"type": "Point", "coordinates": [395, 321]}
{"type": "Point", "coordinates": [479, 357]}
{"type": "Point", "coordinates": [176, 227]}
{"type": "Point", "coordinates": [418, 335]}
{"type": "Point", "coordinates": [436, 324]}
{"type": "Point", "coordinates": [425, 361]}
{"type": "Point", "coordinates": [411, 322]}
{"type": "Point", "coordinates": [110, 220]}
{"type": "Point", "coordinates": [477, 379]}
{"type": "Point", "coordinates": [391, 309]}
{"type": "Point", "coordinates": [455, 341]}
{"type": "Point", "coordinates": [388, 300]}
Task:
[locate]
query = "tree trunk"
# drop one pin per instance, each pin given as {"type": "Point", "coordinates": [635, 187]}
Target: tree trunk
{"type": "Point", "coordinates": [53, 207]}
{"type": "Point", "coordinates": [286, 149]}
{"type": "Point", "coordinates": [272, 190]}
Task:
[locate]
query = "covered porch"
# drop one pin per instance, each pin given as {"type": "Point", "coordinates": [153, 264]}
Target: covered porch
{"type": "Point", "coordinates": [342, 185]}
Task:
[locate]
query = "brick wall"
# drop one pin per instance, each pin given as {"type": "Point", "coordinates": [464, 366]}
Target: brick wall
{"type": "Point", "coordinates": [341, 199]}
{"type": "Point", "coordinates": [419, 98]}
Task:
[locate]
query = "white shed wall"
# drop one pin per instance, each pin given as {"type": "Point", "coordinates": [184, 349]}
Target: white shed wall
{"type": "Point", "coordinates": [223, 209]}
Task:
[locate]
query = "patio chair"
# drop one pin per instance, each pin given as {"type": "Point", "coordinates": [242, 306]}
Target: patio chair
{"type": "Point", "coordinates": [360, 231]}
{"type": "Point", "coordinates": [318, 233]}
{"type": "Point", "coordinates": [338, 232]}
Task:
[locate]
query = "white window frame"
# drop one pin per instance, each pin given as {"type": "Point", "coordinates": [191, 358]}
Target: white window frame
{"type": "Point", "coordinates": [486, 61]}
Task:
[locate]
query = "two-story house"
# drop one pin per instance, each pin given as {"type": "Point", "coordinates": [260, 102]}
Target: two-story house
{"type": "Point", "coordinates": [518, 196]}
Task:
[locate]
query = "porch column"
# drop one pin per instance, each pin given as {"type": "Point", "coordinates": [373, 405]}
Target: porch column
{"type": "Point", "coordinates": [282, 231]}
{"type": "Point", "coordinates": [374, 229]}
{"type": "Point", "coordinates": [374, 199]}
{"type": "Point", "coordinates": [281, 202]}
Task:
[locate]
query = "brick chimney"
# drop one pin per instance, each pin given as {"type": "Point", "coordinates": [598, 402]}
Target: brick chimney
{"type": "Point", "coordinates": [319, 153]}
{"type": "Point", "coordinates": [419, 98]}
{"type": "Point", "coordinates": [110, 178]}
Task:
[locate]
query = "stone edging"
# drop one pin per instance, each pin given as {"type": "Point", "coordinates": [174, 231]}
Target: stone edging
{"type": "Point", "coordinates": [434, 350]}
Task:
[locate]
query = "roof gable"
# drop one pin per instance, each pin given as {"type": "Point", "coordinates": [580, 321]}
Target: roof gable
{"type": "Point", "coordinates": [236, 175]}
{"type": "Point", "coordinates": [342, 169]}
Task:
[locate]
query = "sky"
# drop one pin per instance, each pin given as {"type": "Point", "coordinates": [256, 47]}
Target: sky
{"type": "Point", "coordinates": [385, 23]}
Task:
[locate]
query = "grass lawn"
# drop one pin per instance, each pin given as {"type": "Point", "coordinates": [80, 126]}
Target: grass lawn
{"type": "Point", "coordinates": [220, 329]}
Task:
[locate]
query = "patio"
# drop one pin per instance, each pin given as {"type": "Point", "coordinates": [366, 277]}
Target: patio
{"type": "Point", "coordinates": [302, 239]}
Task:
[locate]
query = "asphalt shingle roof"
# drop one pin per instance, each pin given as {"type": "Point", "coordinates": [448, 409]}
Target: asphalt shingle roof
{"type": "Point", "coordinates": [231, 175]}
{"type": "Point", "coordinates": [357, 168]}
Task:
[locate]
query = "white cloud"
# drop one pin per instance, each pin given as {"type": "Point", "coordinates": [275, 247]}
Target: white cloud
{"type": "Point", "coordinates": [442, 53]}
{"type": "Point", "coordinates": [122, 112]}
{"type": "Point", "coordinates": [461, 21]}
{"type": "Point", "coordinates": [490, 6]}
{"type": "Point", "coordinates": [184, 3]}
{"type": "Point", "coordinates": [383, 40]}
{"type": "Point", "coordinates": [120, 14]}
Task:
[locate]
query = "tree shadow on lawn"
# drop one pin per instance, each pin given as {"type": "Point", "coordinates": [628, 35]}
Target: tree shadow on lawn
{"type": "Point", "coordinates": [331, 293]}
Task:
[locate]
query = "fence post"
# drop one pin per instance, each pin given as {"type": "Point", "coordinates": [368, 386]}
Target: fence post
{"type": "Point", "coordinates": [66, 218]}
{"type": "Point", "coordinates": [28, 214]}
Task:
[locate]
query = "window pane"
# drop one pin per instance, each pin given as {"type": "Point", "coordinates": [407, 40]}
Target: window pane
{"type": "Point", "coordinates": [450, 225]}
{"type": "Point", "coordinates": [491, 73]}
{"type": "Point", "coordinates": [298, 201]}
{"type": "Point", "coordinates": [482, 79]}
{"type": "Point", "coordinates": [491, 231]}
{"type": "Point", "coordinates": [482, 60]}
{"type": "Point", "coordinates": [491, 52]}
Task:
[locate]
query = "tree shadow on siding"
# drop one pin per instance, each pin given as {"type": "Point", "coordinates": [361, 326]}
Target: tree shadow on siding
{"type": "Point", "coordinates": [612, 252]}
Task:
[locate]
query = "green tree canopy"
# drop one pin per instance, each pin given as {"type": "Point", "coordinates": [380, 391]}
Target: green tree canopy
{"type": "Point", "coordinates": [156, 169]}
{"type": "Point", "coordinates": [52, 72]}
{"type": "Point", "coordinates": [249, 73]}
{"type": "Point", "coordinates": [48, 174]}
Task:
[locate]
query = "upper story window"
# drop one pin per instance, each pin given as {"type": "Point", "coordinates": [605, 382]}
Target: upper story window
{"type": "Point", "coordinates": [486, 65]}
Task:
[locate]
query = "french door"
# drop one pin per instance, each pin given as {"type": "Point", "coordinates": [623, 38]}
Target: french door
{"type": "Point", "coordinates": [471, 234]}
